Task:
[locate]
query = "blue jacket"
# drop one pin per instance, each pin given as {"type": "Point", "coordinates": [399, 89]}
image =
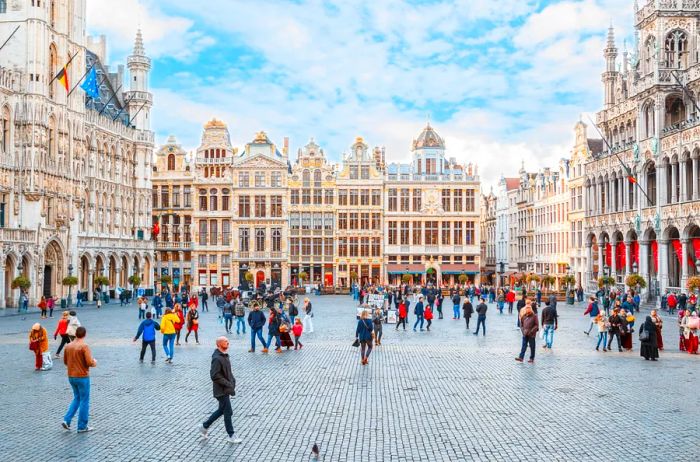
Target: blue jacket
{"type": "Point", "coordinates": [418, 310]}
{"type": "Point", "coordinates": [148, 328]}
{"type": "Point", "coordinates": [256, 319]}
{"type": "Point", "coordinates": [364, 332]}
{"type": "Point", "coordinates": [157, 302]}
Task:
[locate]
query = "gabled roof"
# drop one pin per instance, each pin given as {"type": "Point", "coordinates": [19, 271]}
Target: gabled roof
{"type": "Point", "coordinates": [512, 183]}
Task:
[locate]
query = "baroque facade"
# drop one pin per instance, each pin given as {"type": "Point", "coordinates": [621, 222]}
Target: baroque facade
{"type": "Point", "coordinates": [653, 126]}
{"type": "Point", "coordinates": [75, 183]}
{"type": "Point", "coordinates": [489, 205]}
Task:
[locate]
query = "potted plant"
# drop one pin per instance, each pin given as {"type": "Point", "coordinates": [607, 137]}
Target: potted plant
{"type": "Point", "coordinates": [605, 281]}
{"type": "Point", "coordinates": [248, 276]}
{"type": "Point", "coordinates": [134, 280]}
{"type": "Point", "coordinates": [303, 277]}
{"type": "Point", "coordinates": [101, 281]}
{"type": "Point", "coordinates": [70, 281]}
{"type": "Point", "coordinates": [353, 276]}
{"type": "Point", "coordinates": [636, 281]}
{"type": "Point", "coordinates": [165, 280]}
{"type": "Point", "coordinates": [22, 283]}
{"type": "Point", "coordinates": [532, 277]}
{"type": "Point", "coordinates": [406, 278]}
{"type": "Point", "coordinates": [548, 281]}
{"type": "Point", "coordinates": [462, 279]}
{"type": "Point", "coordinates": [693, 283]}
{"type": "Point", "coordinates": [569, 280]}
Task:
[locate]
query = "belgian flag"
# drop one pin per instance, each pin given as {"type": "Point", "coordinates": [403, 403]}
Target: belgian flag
{"type": "Point", "coordinates": [62, 77]}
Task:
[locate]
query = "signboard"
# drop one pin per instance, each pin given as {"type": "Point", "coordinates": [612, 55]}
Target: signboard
{"type": "Point", "coordinates": [360, 310]}
{"type": "Point", "coordinates": [140, 292]}
{"type": "Point", "coordinates": [376, 300]}
{"type": "Point", "coordinates": [391, 317]}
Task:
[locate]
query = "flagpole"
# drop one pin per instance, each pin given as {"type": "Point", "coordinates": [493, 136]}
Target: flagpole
{"type": "Point", "coordinates": [65, 66]}
{"type": "Point", "coordinates": [8, 38]}
{"type": "Point", "coordinates": [687, 93]}
{"type": "Point", "coordinates": [137, 112]}
{"type": "Point", "coordinates": [122, 109]}
{"type": "Point", "coordinates": [81, 79]}
{"type": "Point", "coordinates": [110, 100]}
{"type": "Point", "coordinates": [627, 169]}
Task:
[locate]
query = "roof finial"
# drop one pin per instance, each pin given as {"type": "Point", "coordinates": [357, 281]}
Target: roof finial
{"type": "Point", "coordinates": [611, 35]}
{"type": "Point", "coordinates": [138, 44]}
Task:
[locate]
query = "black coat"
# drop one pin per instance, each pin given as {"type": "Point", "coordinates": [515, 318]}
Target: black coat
{"type": "Point", "coordinates": [221, 375]}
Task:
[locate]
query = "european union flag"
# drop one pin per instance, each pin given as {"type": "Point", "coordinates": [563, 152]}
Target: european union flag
{"type": "Point", "coordinates": [90, 84]}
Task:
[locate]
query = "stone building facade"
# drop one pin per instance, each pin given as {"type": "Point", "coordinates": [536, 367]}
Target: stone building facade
{"type": "Point", "coordinates": [653, 126]}
{"type": "Point", "coordinates": [75, 172]}
{"type": "Point", "coordinates": [505, 203]}
{"type": "Point", "coordinates": [488, 238]}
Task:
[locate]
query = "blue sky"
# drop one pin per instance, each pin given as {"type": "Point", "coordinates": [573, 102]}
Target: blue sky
{"type": "Point", "coordinates": [502, 81]}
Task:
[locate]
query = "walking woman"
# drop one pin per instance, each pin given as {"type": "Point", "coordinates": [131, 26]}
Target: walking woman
{"type": "Point", "coordinates": [377, 321]}
{"type": "Point", "coordinates": [647, 336]}
{"type": "Point", "coordinates": [402, 314]}
{"type": "Point", "coordinates": [62, 329]}
{"type": "Point", "coordinates": [689, 326]}
{"type": "Point", "coordinates": [42, 306]}
{"type": "Point", "coordinates": [625, 331]}
{"type": "Point", "coordinates": [39, 344]}
{"type": "Point", "coordinates": [659, 324]}
{"type": "Point", "coordinates": [364, 334]}
{"type": "Point", "coordinates": [273, 331]}
{"type": "Point", "coordinates": [167, 328]}
{"type": "Point", "coordinates": [602, 324]}
{"type": "Point", "coordinates": [468, 310]}
{"type": "Point", "coordinates": [178, 325]}
{"type": "Point", "coordinates": [192, 323]}
{"type": "Point", "coordinates": [428, 315]}
{"type": "Point", "coordinates": [308, 324]}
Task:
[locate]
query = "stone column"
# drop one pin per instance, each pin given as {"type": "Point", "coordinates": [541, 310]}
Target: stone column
{"type": "Point", "coordinates": [661, 185]}
{"type": "Point", "coordinates": [601, 258]}
{"type": "Point", "coordinates": [695, 178]}
{"type": "Point", "coordinates": [628, 258]}
{"type": "Point", "coordinates": [683, 183]}
{"type": "Point", "coordinates": [589, 264]}
{"type": "Point", "coordinates": [674, 179]}
{"type": "Point", "coordinates": [613, 260]}
{"type": "Point", "coordinates": [117, 275]}
{"type": "Point", "coordinates": [625, 194]}
{"type": "Point", "coordinates": [643, 264]}
{"type": "Point", "coordinates": [91, 284]}
{"type": "Point", "coordinates": [684, 261]}
{"type": "Point", "coordinates": [3, 301]}
{"type": "Point", "coordinates": [663, 264]}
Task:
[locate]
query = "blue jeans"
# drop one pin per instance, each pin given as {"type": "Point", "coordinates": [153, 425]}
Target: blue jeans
{"type": "Point", "coordinates": [481, 321]}
{"type": "Point", "coordinates": [291, 319]}
{"type": "Point", "coordinates": [455, 311]}
{"type": "Point", "coordinates": [142, 314]}
{"type": "Point", "coordinates": [253, 334]}
{"type": "Point", "coordinates": [159, 311]}
{"type": "Point", "coordinates": [500, 307]}
{"type": "Point", "coordinates": [81, 401]}
{"type": "Point", "coordinates": [169, 345]}
{"type": "Point", "coordinates": [79, 302]}
{"type": "Point", "coordinates": [602, 337]}
{"type": "Point", "coordinates": [527, 341]}
{"type": "Point", "coordinates": [240, 323]}
{"type": "Point", "coordinates": [419, 319]}
{"type": "Point", "coordinates": [278, 343]}
{"type": "Point", "coordinates": [548, 335]}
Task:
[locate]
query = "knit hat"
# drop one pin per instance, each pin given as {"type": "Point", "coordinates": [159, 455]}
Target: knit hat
{"type": "Point", "coordinates": [36, 326]}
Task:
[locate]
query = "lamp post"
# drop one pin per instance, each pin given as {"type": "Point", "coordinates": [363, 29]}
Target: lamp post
{"type": "Point", "coordinates": [70, 288]}
{"type": "Point", "coordinates": [634, 267]}
{"type": "Point", "coordinates": [21, 291]}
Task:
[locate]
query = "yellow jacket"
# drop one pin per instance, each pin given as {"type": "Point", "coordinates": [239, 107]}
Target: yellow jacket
{"type": "Point", "coordinates": [167, 323]}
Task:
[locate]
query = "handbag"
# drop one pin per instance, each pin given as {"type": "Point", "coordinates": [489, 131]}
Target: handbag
{"type": "Point", "coordinates": [34, 345]}
{"type": "Point", "coordinates": [644, 335]}
{"type": "Point", "coordinates": [356, 343]}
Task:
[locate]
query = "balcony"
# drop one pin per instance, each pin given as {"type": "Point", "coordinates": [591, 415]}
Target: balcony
{"type": "Point", "coordinates": [9, 235]}
{"type": "Point", "coordinates": [173, 245]}
{"type": "Point", "coordinates": [214, 161]}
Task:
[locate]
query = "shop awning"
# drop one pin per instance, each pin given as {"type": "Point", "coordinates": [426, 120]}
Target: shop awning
{"type": "Point", "coordinates": [408, 268]}
{"type": "Point", "coordinates": [456, 268]}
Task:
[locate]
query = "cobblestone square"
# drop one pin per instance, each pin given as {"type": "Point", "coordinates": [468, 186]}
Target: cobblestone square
{"type": "Point", "coordinates": [443, 395]}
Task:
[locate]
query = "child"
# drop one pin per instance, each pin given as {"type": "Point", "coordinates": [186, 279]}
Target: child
{"type": "Point", "coordinates": [297, 329]}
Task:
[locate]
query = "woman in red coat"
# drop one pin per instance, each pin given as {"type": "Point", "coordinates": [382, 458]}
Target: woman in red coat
{"type": "Point", "coordinates": [402, 314]}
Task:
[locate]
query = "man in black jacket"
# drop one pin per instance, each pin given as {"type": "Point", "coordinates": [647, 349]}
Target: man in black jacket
{"type": "Point", "coordinates": [224, 385]}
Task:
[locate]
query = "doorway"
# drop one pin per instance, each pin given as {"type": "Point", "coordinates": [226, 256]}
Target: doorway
{"type": "Point", "coordinates": [48, 273]}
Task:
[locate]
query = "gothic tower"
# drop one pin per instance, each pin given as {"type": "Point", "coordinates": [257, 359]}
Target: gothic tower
{"type": "Point", "coordinates": [610, 74]}
{"type": "Point", "coordinates": [140, 100]}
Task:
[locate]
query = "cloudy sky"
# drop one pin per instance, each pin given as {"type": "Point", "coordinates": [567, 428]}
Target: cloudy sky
{"type": "Point", "coordinates": [503, 81]}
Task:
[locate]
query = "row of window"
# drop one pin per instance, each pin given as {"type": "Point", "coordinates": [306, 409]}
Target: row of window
{"type": "Point", "coordinates": [260, 179]}
{"type": "Point", "coordinates": [175, 196]}
{"type": "Point", "coordinates": [307, 221]}
{"type": "Point", "coordinates": [311, 196]}
{"type": "Point", "coordinates": [360, 197]}
{"type": "Point", "coordinates": [310, 247]}
{"type": "Point", "coordinates": [452, 200]}
{"type": "Point", "coordinates": [359, 221]}
{"type": "Point", "coordinates": [359, 247]}
{"type": "Point", "coordinates": [550, 214]}
{"type": "Point", "coordinates": [419, 259]}
{"type": "Point", "coordinates": [431, 233]}
{"type": "Point", "coordinates": [551, 243]}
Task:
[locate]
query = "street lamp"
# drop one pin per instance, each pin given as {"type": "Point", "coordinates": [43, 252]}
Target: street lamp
{"type": "Point", "coordinates": [70, 288]}
{"type": "Point", "coordinates": [634, 267]}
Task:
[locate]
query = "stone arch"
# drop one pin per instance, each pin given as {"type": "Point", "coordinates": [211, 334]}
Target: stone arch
{"type": "Point", "coordinates": [11, 296]}
{"type": "Point", "coordinates": [671, 235]}
{"type": "Point", "coordinates": [53, 269]}
{"type": "Point", "coordinates": [85, 266]}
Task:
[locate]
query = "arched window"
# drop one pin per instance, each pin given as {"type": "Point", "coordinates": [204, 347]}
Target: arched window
{"type": "Point", "coordinates": [649, 120]}
{"type": "Point", "coordinates": [649, 54]}
{"type": "Point", "coordinates": [213, 199]}
{"type": "Point", "coordinates": [676, 49]}
{"type": "Point", "coordinates": [51, 148]}
{"type": "Point", "coordinates": [260, 239]}
{"type": "Point", "coordinates": [5, 130]}
{"type": "Point", "coordinates": [53, 69]}
{"type": "Point", "coordinates": [675, 110]}
{"type": "Point", "coordinates": [306, 179]}
{"type": "Point", "coordinates": [225, 199]}
{"type": "Point", "coordinates": [203, 199]}
{"type": "Point", "coordinates": [651, 184]}
{"type": "Point", "coordinates": [171, 161]}
{"type": "Point", "coordinates": [317, 178]}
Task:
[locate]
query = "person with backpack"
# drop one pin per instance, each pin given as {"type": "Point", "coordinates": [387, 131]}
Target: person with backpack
{"type": "Point", "coordinates": [239, 312]}
{"type": "Point", "coordinates": [592, 311]}
{"type": "Point", "coordinates": [227, 311]}
{"type": "Point", "coordinates": [148, 328]}
{"type": "Point", "coordinates": [292, 310]}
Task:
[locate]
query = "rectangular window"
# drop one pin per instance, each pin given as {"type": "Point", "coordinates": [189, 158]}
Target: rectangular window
{"type": "Point", "coordinates": [469, 233]}
{"type": "Point", "coordinates": [176, 196]}
{"type": "Point", "coordinates": [343, 197]}
{"type": "Point", "coordinates": [294, 247]}
{"type": "Point", "coordinates": [276, 206]}
{"type": "Point", "coordinates": [376, 221]}
{"type": "Point", "coordinates": [226, 261]}
{"type": "Point", "coordinates": [342, 221]}
{"type": "Point", "coordinates": [260, 239]}
{"type": "Point", "coordinates": [328, 247]}
{"type": "Point", "coordinates": [202, 232]}
{"type": "Point", "coordinates": [260, 207]}
{"type": "Point", "coordinates": [202, 261]}
{"type": "Point", "coordinates": [154, 198]}
{"type": "Point", "coordinates": [318, 196]}
{"type": "Point", "coordinates": [306, 246]}
{"type": "Point", "coordinates": [3, 6]}
{"type": "Point", "coordinates": [469, 202]}
{"type": "Point", "coordinates": [164, 197]}
{"type": "Point", "coordinates": [294, 221]}
{"type": "Point", "coordinates": [318, 221]}
{"type": "Point", "coordinates": [405, 200]}
{"type": "Point", "coordinates": [342, 247]}
{"type": "Point", "coordinates": [203, 199]}
{"type": "Point", "coordinates": [446, 230]}
{"type": "Point", "coordinates": [354, 221]}
{"type": "Point", "coordinates": [225, 200]}
{"type": "Point", "coordinates": [431, 233]}
{"type": "Point", "coordinates": [329, 197]}
{"type": "Point", "coordinates": [354, 197]}
{"type": "Point", "coordinates": [276, 179]}
{"type": "Point", "coordinates": [446, 199]}
{"type": "Point", "coordinates": [417, 233]}
{"type": "Point", "coordinates": [213, 200]}
{"type": "Point", "coordinates": [393, 207]}
{"type": "Point", "coordinates": [244, 206]}
{"type": "Point", "coordinates": [306, 221]}
{"type": "Point", "coordinates": [226, 232]}
{"type": "Point", "coordinates": [213, 232]}
{"type": "Point", "coordinates": [364, 172]}
{"type": "Point", "coordinates": [187, 197]}
{"type": "Point", "coordinates": [306, 196]}
{"type": "Point", "coordinates": [376, 247]}
{"type": "Point", "coordinates": [376, 197]}
{"type": "Point", "coordinates": [405, 233]}
{"type": "Point", "coordinates": [244, 239]}
{"type": "Point", "coordinates": [417, 199]}
{"type": "Point", "coordinates": [430, 167]}
{"type": "Point", "coordinates": [294, 199]}
{"type": "Point", "coordinates": [317, 249]}
{"type": "Point", "coordinates": [328, 221]}
{"type": "Point", "coordinates": [364, 197]}
{"type": "Point", "coordinates": [364, 247]}
{"type": "Point", "coordinates": [276, 239]}
{"type": "Point", "coordinates": [354, 172]}
{"type": "Point", "coordinates": [364, 221]}
{"type": "Point", "coordinates": [393, 235]}
{"type": "Point", "coordinates": [243, 180]}
{"type": "Point", "coordinates": [457, 200]}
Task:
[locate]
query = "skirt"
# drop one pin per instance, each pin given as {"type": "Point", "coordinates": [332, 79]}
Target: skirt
{"type": "Point", "coordinates": [626, 341]}
{"type": "Point", "coordinates": [659, 339]}
{"type": "Point", "coordinates": [691, 344]}
{"type": "Point", "coordinates": [286, 339]}
{"type": "Point", "coordinates": [648, 351]}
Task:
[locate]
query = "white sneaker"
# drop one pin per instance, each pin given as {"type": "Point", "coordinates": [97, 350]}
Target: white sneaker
{"type": "Point", "coordinates": [234, 440]}
{"type": "Point", "coordinates": [203, 431]}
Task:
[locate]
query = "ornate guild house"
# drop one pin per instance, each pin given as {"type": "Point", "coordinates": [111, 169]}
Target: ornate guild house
{"type": "Point", "coordinates": [75, 170]}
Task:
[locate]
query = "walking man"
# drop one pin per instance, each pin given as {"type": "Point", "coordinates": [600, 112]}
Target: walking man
{"type": "Point", "coordinates": [550, 323]}
{"type": "Point", "coordinates": [256, 321]}
{"type": "Point", "coordinates": [78, 360]}
{"type": "Point", "coordinates": [529, 328]}
{"type": "Point", "coordinates": [224, 385]}
{"type": "Point", "coordinates": [455, 305]}
{"type": "Point", "coordinates": [418, 311]}
{"type": "Point", "coordinates": [481, 319]}
{"type": "Point", "coordinates": [148, 328]}
{"type": "Point", "coordinates": [592, 311]}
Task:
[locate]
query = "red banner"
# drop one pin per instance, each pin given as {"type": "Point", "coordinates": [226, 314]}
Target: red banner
{"type": "Point", "coordinates": [620, 256]}
{"type": "Point", "coordinates": [678, 248]}
{"type": "Point", "coordinates": [655, 254]}
{"type": "Point", "coordinates": [696, 247]}
{"type": "Point", "coordinates": [608, 254]}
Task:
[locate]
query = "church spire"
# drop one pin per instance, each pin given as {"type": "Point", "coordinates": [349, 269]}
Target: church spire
{"type": "Point", "coordinates": [138, 45]}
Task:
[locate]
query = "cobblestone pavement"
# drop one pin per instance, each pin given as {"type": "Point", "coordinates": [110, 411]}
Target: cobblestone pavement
{"type": "Point", "coordinates": [443, 395]}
